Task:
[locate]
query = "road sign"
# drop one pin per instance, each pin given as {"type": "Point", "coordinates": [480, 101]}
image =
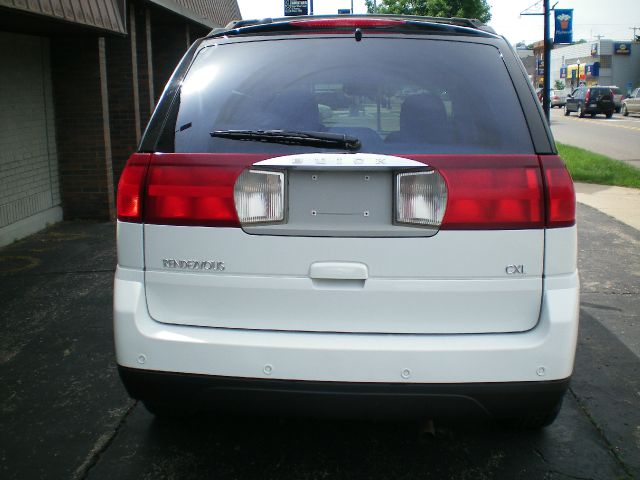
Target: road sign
{"type": "Point", "coordinates": [296, 7]}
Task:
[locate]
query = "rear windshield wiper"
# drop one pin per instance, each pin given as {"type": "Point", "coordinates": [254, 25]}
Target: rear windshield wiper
{"type": "Point", "coordinates": [289, 137]}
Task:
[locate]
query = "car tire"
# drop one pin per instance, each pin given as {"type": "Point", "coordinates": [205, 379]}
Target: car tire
{"type": "Point", "coordinates": [609, 114]}
{"type": "Point", "coordinates": [580, 111]}
{"type": "Point", "coordinates": [566, 111]}
{"type": "Point", "coordinates": [625, 112]}
{"type": "Point", "coordinates": [618, 109]}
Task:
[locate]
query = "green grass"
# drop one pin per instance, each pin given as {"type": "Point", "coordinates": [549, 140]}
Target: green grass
{"type": "Point", "coordinates": [589, 167]}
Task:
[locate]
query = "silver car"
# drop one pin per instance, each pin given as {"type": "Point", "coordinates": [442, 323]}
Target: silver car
{"type": "Point", "coordinates": [631, 104]}
{"type": "Point", "coordinates": [617, 97]}
{"type": "Point", "coordinates": [558, 98]}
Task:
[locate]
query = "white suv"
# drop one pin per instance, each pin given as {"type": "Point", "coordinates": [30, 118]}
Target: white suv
{"type": "Point", "coordinates": [352, 214]}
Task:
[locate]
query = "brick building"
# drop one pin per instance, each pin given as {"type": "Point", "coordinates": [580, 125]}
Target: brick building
{"type": "Point", "coordinates": [78, 82]}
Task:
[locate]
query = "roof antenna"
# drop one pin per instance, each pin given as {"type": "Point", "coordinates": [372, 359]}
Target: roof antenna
{"type": "Point", "coordinates": [358, 34]}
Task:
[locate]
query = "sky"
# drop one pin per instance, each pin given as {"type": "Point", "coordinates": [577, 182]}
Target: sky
{"type": "Point", "coordinates": [612, 18]}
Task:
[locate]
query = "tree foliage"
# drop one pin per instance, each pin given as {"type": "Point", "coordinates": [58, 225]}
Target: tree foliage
{"type": "Point", "coordinates": [479, 9]}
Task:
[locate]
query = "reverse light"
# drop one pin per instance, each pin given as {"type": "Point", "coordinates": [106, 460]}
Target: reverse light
{"type": "Point", "coordinates": [259, 196]}
{"type": "Point", "coordinates": [421, 198]}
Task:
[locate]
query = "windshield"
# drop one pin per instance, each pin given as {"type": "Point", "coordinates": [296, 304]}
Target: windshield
{"type": "Point", "coordinates": [395, 95]}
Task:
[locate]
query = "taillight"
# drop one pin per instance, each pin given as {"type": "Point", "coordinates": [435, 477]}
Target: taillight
{"type": "Point", "coordinates": [259, 197]}
{"type": "Point", "coordinates": [560, 198]}
{"type": "Point", "coordinates": [191, 195]}
{"type": "Point", "coordinates": [131, 188]}
{"type": "Point", "coordinates": [587, 96]}
{"type": "Point", "coordinates": [421, 198]}
{"type": "Point", "coordinates": [490, 192]}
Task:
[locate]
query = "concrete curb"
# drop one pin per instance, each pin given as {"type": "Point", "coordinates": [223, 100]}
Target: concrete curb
{"type": "Point", "coordinates": [621, 203]}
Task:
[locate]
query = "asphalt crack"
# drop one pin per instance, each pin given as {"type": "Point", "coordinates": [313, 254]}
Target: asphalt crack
{"type": "Point", "coordinates": [600, 431]}
{"type": "Point", "coordinates": [552, 471]}
{"type": "Point", "coordinates": [101, 446]}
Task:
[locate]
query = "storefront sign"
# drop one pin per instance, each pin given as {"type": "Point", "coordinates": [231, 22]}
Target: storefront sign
{"type": "Point", "coordinates": [594, 49]}
{"type": "Point", "coordinates": [295, 7]}
{"type": "Point", "coordinates": [592, 69]}
{"type": "Point", "coordinates": [622, 48]}
{"type": "Point", "coordinates": [564, 26]}
{"type": "Point", "coordinates": [563, 72]}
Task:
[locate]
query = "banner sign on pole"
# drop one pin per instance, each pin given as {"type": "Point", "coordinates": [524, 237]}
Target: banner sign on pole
{"type": "Point", "coordinates": [295, 7]}
{"type": "Point", "coordinates": [564, 26]}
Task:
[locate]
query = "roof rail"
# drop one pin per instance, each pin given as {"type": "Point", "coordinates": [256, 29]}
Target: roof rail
{"type": "Point", "coordinates": [286, 23]}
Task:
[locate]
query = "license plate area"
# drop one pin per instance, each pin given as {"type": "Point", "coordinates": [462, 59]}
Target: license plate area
{"type": "Point", "coordinates": [340, 203]}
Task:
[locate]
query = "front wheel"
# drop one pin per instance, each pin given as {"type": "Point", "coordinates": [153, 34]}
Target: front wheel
{"type": "Point", "coordinates": [609, 115]}
{"type": "Point", "coordinates": [625, 112]}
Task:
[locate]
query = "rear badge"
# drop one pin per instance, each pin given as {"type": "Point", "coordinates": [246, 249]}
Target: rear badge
{"type": "Point", "coordinates": [514, 269]}
{"type": "Point", "coordinates": [211, 265]}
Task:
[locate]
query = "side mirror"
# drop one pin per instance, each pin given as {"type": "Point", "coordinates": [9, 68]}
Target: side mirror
{"type": "Point", "coordinates": [569, 96]}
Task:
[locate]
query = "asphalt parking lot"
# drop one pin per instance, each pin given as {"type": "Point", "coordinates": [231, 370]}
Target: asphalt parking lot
{"type": "Point", "coordinates": [64, 413]}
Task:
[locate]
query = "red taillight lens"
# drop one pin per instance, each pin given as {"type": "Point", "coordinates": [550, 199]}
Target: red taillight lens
{"type": "Point", "coordinates": [131, 187]}
{"type": "Point", "coordinates": [194, 189]}
{"type": "Point", "coordinates": [191, 195]}
{"type": "Point", "coordinates": [490, 192]}
{"type": "Point", "coordinates": [587, 96]}
{"type": "Point", "coordinates": [347, 22]}
{"type": "Point", "coordinates": [560, 197]}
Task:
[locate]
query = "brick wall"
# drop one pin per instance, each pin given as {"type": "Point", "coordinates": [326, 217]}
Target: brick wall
{"type": "Point", "coordinates": [169, 45]}
{"type": "Point", "coordinates": [79, 127]}
{"type": "Point", "coordinates": [121, 102]}
{"type": "Point", "coordinates": [28, 156]}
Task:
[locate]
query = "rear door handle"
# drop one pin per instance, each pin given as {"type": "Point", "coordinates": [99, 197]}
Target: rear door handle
{"type": "Point", "coordinates": [338, 271]}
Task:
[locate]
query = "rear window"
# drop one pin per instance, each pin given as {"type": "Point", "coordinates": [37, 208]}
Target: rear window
{"type": "Point", "coordinates": [601, 91]}
{"type": "Point", "coordinates": [615, 90]}
{"type": "Point", "coordinates": [397, 95]}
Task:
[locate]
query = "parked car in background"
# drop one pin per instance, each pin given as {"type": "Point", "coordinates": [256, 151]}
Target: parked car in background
{"type": "Point", "coordinates": [631, 104]}
{"type": "Point", "coordinates": [618, 96]}
{"type": "Point", "coordinates": [558, 98]}
{"type": "Point", "coordinates": [349, 232]}
{"type": "Point", "coordinates": [590, 101]}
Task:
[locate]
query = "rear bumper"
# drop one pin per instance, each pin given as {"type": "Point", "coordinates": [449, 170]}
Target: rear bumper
{"type": "Point", "coordinates": [338, 399]}
{"type": "Point", "coordinates": [545, 353]}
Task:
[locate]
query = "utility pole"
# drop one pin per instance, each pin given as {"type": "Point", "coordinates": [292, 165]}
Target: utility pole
{"type": "Point", "coordinates": [546, 57]}
{"type": "Point", "coordinates": [546, 103]}
{"type": "Point", "coordinates": [636, 38]}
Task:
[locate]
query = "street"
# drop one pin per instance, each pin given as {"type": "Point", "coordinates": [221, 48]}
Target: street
{"type": "Point", "coordinates": [65, 414]}
{"type": "Point", "coordinates": [617, 137]}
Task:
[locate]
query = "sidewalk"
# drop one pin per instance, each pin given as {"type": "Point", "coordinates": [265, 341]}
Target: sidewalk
{"type": "Point", "coordinates": [621, 203]}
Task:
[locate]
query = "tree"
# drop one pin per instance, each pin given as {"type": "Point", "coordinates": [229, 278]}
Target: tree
{"type": "Point", "coordinates": [479, 9]}
{"type": "Point", "coordinates": [558, 85]}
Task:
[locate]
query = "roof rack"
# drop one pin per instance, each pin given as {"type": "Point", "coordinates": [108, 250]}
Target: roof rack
{"type": "Point", "coordinates": [284, 24]}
